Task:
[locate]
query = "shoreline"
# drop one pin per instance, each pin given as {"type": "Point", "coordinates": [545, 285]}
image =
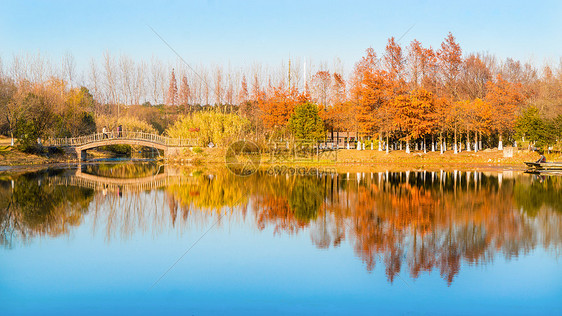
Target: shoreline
{"type": "Point", "coordinates": [346, 158]}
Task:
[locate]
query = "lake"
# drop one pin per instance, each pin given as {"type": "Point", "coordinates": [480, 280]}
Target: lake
{"type": "Point", "coordinates": [145, 238]}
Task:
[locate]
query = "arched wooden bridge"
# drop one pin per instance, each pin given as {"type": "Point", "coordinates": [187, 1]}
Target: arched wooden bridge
{"type": "Point", "coordinates": [170, 146]}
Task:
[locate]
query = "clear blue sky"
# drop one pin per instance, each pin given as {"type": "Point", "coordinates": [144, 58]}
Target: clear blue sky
{"type": "Point", "coordinates": [241, 32]}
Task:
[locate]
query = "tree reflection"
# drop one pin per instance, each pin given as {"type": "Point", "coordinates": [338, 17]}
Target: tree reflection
{"type": "Point", "coordinates": [32, 207]}
{"type": "Point", "coordinates": [125, 169]}
{"type": "Point", "coordinates": [415, 221]}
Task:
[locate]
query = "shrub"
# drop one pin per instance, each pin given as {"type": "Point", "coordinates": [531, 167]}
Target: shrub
{"type": "Point", "coordinates": [210, 126]}
{"type": "Point", "coordinates": [27, 134]}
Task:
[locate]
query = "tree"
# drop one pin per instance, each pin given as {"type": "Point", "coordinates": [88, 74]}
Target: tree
{"type": "Point", "coordinates": [482, 119]}
{"type": "Point", "coordinates": [33, 124]}
{"type": "Point", "coordinates": [531, 127]}
{"type": "Point", "coordinates": [306, 123]}
{"type": "Point", "coordinates": [415, 114]}
{"type": "Point", "coordinates": [504, 98]}
{"type": "Point", "coordinates": [277, 107]}
{"type": "Point", "coordinates": [450, 60]}
{"type": "Point", "coordinates": [321, 83]}
{"type": "Point", "coordinates": [9, 109]}
{"type": "Point", "coordinates": [184, 95]}
{"type": "Point", "coordinates": [393, 60]}
{"type": "Point", "coordinates": [473, 78]}
{"type": "Point", "coordinates": [68, 66]}
{"type": "Point", "coordinates": [76, 117]}
{"type": "Point", "coordinates": [172, 98]}
{"type": "Point", "coordinates": [371, 92]}
{"type": "Point", "coordinates": [338, 88]}
{"type": "Point", "coordinates": [243, 93]}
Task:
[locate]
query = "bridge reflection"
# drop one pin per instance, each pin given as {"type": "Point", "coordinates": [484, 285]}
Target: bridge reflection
{"type": "Point", "coordinates": [165, 176]}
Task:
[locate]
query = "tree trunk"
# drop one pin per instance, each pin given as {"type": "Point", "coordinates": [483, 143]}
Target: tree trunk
{"type": "Point", "coordinates": [432, 142]}
{"type": "Point", "coordinates": [480, 140]}
{"type": "Point", "coordinates": [338, 136]}
{"type": "Point", "coordinates": [424, 149]}
{"type": "Point", "coordinates": [380, 141]}
{"type": "Point", "coordinates": [441, 141]}
{"type": "Point", "coordinates": [408, 146]}
{"type": "Point", "coordinates": [386, 143]}
{"type": "Point", "coordinates": [467, 140]}
{"type": "Point", "coordinates": [455, 146]}
{"type": "Point", "coordinates": [500, 145]}
{"type": "Point", "coordinates": [475, 142]}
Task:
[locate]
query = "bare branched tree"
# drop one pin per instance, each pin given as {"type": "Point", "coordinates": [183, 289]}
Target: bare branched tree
{"type": "Point", "coordinates": [69, 68]}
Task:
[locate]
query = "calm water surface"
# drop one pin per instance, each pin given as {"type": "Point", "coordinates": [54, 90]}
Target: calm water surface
{"type": "Point", "coordinates": [146, 238]}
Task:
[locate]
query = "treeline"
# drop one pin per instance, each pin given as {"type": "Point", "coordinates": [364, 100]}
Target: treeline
{"type": "Point", "coordinates": [434, 97]}
{"type": "Point", "coordinates": [437, 98]}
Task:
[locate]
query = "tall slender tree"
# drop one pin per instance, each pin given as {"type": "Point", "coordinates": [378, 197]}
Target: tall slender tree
{"type": "Point", "coordinates": [172, 98]}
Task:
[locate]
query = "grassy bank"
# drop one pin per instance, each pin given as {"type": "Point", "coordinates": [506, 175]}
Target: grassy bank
{"type": "Point", "coordinates": [492, 157]}
{"type": "Point", "coordinates": [10, 156]}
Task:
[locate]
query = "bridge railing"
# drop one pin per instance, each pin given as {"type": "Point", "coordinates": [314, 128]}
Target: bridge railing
{"type": "Point", "coordinates": [125, 135]}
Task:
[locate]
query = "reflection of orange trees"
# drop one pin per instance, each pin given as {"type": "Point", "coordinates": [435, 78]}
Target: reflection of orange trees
{"type": "Point", "coordinates": [288, 203]}
{"type": "Point", "coordinates": [433, 223]}
{"type": "Point", "coordinates": [271, 209]}
{"type": "Point", "coordinates": [271, 204]}
{"type": "Point", "coordinates": [414, 221]}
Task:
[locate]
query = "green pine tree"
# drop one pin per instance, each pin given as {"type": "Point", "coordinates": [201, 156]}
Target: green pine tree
{"type": "Point", "coordinates": [306, 123]}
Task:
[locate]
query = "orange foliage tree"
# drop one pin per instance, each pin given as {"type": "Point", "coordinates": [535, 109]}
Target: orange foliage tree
{"type": "Point", "coordinates": [504, 98]}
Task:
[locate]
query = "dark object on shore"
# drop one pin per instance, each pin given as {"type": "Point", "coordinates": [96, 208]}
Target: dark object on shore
{"type": "Point", "coordinates": [542, 159]}
{"type": "Point", "coordinates": [544, 165]}
{"type": "Point", "coordinates": [544, 172]}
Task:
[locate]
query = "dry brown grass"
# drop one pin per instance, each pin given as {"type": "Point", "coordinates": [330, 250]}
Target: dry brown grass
{"type": "Point", "coordinates": [484, 159]}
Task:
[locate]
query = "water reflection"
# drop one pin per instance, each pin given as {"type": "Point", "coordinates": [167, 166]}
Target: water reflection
{"type": "Point", "coordinates": [31, 207]}
{"type": "Point", "coordinates": [417, 221]}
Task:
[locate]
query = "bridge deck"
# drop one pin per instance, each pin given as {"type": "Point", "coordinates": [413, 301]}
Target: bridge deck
{"type": "Point", "coordinates": [106, 138]}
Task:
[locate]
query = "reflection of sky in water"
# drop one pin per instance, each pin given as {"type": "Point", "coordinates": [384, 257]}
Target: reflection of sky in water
{"type": "Point", "coordinates": [238, 268]}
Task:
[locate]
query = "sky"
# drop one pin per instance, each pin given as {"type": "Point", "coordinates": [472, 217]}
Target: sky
{"type": "Point", "coordinates": [240, 33]}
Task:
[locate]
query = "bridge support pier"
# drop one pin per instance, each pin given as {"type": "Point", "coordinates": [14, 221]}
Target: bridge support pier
{"type": "Point", "coordinates": [81, 154]}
